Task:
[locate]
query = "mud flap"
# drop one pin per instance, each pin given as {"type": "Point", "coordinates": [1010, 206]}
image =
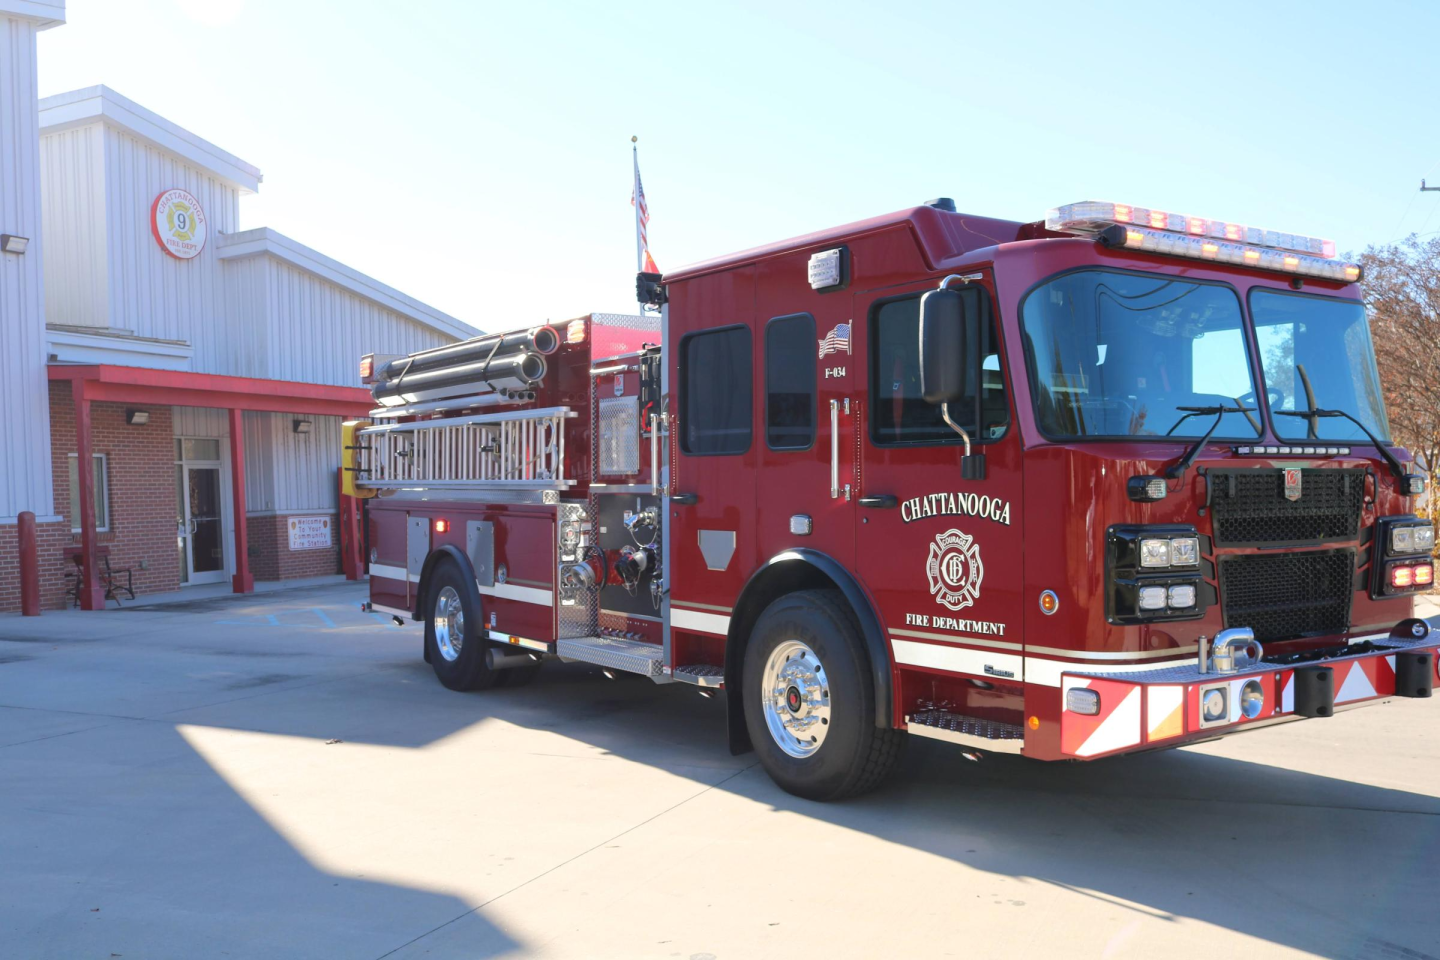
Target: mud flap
{"type": "Point", "coordinates": [1315, 692]}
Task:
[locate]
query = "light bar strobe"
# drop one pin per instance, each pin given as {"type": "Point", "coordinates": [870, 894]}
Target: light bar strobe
{"type": "Point", "coordinates": [1155, 231]}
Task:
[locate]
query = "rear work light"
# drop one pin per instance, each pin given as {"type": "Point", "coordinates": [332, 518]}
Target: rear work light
{"type": "Point", "coordinates": [1156, 231]}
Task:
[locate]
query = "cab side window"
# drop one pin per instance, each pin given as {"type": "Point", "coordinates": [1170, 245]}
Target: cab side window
{"type": "Point", "coordinates": [715, 392]}
{"type": "Point", "coordinates": [790, 382]}
{"type": "Point", "coordinates": [899, 414]}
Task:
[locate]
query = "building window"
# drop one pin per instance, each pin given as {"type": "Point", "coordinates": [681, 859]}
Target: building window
{"type": "Point", "coordinates": [899, 414]}
{"type": "Point", "coordinates": [715, 392]}
{"type": "Point", "coordinates": [101, 486]}
{"type": "Point", "coordinates": [790, 383]}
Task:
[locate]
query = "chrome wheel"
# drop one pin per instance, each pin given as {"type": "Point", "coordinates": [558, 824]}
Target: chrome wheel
{"type": "Point", "coordinates": [795, 696]}
{"type": "Point", "coordinates": [449, 621]}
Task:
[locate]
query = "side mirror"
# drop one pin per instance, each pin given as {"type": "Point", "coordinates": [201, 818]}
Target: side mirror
{"type": "Point", "coordinates": [950, 358]}
{"type": "Point", "coordinates": [949, 341]}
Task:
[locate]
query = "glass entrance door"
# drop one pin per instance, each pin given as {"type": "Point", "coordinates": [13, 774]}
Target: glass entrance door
{"type": "Point", "coordinates": [200, 520]}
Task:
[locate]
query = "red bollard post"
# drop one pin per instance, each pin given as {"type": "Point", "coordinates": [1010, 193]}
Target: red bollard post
{"type": "Point", "coordinates": [29, 566]}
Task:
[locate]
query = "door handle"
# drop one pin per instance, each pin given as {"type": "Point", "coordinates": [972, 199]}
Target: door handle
{"type": "Point", "coordinates": [684, 499]}
{"type": "Point", "coordinates": [884, 501]}
{"type": "Point", "coordinates": [834, 449]}
{"type": "Point", "coordinates": [654, 455]}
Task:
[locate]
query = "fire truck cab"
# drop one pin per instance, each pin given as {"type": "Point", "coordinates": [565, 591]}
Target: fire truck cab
{"type": "Point", "coordinates": [1114, 481]}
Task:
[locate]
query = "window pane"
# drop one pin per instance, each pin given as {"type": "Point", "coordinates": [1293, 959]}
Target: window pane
{"type": "Point", "coordinates": [101, 497]}
{"type": "Point", "coordinates": [715, 392]}
{"type": "Point", "coordinates": [1326, 342]}
{"type": "Point", "coordinates": [1118, 354]}
{"type": "Point", "coordinates": [202, 449]}
{"type": "Point", "coordinates": [790, 347]}
{"type": "Point", "coordinates": [102, 514]}
{"type": "Point", "coordinates": [74, 494]}
{"type": "Point", "coordinates": [900, 413]}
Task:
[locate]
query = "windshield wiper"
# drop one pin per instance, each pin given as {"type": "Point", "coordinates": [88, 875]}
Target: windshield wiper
{"type": "Point", "coordinates": [1396, 467]}
{"type": "Point", "coordinates": [1218, 411]}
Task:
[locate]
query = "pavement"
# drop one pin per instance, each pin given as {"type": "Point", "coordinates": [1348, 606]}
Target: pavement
{"type": "Point", "coordinates": [281, 776]}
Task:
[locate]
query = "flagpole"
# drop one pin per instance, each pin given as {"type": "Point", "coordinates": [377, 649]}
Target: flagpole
{"type": "Point", "coordinates": [635, 199]}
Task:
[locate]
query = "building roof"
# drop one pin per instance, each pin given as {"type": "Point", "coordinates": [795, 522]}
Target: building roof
{"type": "Point", "coordinates": [263, 241]}
{"type": "Point", "coordinates": [46, 13]}
{"type": "Point", "coordinates": [78, 107]}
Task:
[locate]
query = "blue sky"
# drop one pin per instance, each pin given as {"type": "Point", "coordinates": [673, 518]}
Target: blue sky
{"type": "Point", "coordinates": [476, 155]}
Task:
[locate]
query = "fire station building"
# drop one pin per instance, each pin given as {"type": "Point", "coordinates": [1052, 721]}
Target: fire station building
{"type": "Point", "coordinates": [173, 385]}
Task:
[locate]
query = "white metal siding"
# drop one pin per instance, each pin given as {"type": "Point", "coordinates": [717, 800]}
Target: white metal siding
{"type": "Point", "coordinates": [151, 292]}
{"type": "Point", "coordinates": [201, 422]}
{"type": "Point", "coordinates": [259, 463]}
{"type": "Point", "coordinates": [316, 331]}
{"type": "Point", "coordinates": [72, 185]}
{"type": "Point", "coordinates": [25, 481]}
{"type": "Point", "coordinates": [246, 323]}
{"type": "Point", "coordinates": [296, 472]}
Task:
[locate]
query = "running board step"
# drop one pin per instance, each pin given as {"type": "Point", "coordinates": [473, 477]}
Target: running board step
{"type": "Point", "coordinates": [631, 656]}
{"type": "Point", "coordinates": [700, 674]}
{"type": "Point", "coordinates": [940, 724]}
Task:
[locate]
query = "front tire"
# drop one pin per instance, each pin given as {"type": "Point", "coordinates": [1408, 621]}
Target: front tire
{"type": "Point", "coordinates": [453, 645]}
{"type": "Point", "coordinates": [809, 699]}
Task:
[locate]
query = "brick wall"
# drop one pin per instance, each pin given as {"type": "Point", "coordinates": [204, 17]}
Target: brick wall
{"type": "Point", "coordinates": [50, 539]}
{"type": "Point", "coordinates": [271, 557]}
{"type": "Point", "coordinates": [140, 461]}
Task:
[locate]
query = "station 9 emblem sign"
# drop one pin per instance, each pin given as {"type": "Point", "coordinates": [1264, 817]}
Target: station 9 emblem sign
{"type": "Point", "coordinates": [178, 224]}
{"type": "Point", "coordinates": [955, 570]}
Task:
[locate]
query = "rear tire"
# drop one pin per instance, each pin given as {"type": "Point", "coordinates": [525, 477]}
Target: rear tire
{"type": "Point", "coordinates": [809, 699]}
{"type": "Point", "coordinates": [452, 644]}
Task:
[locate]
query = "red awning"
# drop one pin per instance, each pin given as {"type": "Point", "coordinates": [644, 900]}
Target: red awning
{"type": "Point", "coordinates": [108, 382]}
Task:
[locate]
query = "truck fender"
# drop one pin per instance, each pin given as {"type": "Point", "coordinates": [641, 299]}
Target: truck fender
{"type": "Point", "coordinates": [467, 569]}
{"type": "Point", "coordinates": [800, 569]}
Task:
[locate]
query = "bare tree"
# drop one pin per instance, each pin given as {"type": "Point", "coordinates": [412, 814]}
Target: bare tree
{"type": "Point", "coordinates": [1402, 296]}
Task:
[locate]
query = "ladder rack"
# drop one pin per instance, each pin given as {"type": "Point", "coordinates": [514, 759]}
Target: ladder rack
{"type": "Point", "coordinates": [515, 450]}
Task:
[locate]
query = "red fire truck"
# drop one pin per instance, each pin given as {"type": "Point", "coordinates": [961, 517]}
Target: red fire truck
{"type": "Point", "coordinates": [1113, 481]}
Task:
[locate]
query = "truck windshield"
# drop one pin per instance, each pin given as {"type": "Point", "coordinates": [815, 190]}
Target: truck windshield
{"type": "Point", "coordinates": [1122, 354]}
{"type": "Point", "coordinates": [1326, 343]}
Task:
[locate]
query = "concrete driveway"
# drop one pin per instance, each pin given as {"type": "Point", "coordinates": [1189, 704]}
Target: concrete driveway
{"type": "Point", "coordinates": [282, 776]}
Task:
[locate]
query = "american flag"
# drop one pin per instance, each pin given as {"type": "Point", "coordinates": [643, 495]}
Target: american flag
{"type": "Point", "coordinates": [836, 341]}
{"type": "Point", "coordinates": [643, 221]}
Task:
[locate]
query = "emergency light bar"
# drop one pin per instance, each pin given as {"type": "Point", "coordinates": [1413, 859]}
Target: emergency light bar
{"type": "Point", "coordinates": [1155, 231]}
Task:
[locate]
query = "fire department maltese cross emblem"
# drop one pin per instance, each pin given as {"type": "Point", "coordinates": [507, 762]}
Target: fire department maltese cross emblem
{"type": "Point", "coordinates": [955, 570]}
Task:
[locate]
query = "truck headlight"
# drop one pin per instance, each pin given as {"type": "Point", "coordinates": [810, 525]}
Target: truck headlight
{"type": "Point", "coordinates": [1412, 539]}
{"type": "Point", "coordinates": [1181, 595]}
{"type": "Point", "coordinates": [1152, 598]}
{"type": "Point", "coordinates": [1185, 552]}
{"type": "Point", "coordinates": [1154, 553]}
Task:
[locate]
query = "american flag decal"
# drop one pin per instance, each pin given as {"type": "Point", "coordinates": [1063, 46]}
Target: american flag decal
{"type": "Point", "coordinates": [836, 341]}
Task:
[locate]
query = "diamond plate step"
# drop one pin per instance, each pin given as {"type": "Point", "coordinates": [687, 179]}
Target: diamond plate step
{"type": "Point", "coordinates": [938, 723]}
{"type": "Point", "coordinates": [632, 656]}
{"type": "Point", "coordinates": [700, 674]}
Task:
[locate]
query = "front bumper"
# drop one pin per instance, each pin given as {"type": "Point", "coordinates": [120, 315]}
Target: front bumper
{"type": "Point", "coordinates": [1165, 707]}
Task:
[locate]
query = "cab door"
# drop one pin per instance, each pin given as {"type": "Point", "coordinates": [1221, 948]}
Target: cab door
{"type": "Point", "coordinates": [805, 488]}
{"type": "Point", "coordinates": [711, 535]}
{"type": "Point", "coordinates": [941, 555]}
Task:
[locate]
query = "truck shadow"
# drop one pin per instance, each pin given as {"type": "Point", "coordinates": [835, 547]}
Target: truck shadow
{"type": "Point", "coordinates": [1328, 866]}
{"type": "Point", "coordinates": [1318, 864]}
